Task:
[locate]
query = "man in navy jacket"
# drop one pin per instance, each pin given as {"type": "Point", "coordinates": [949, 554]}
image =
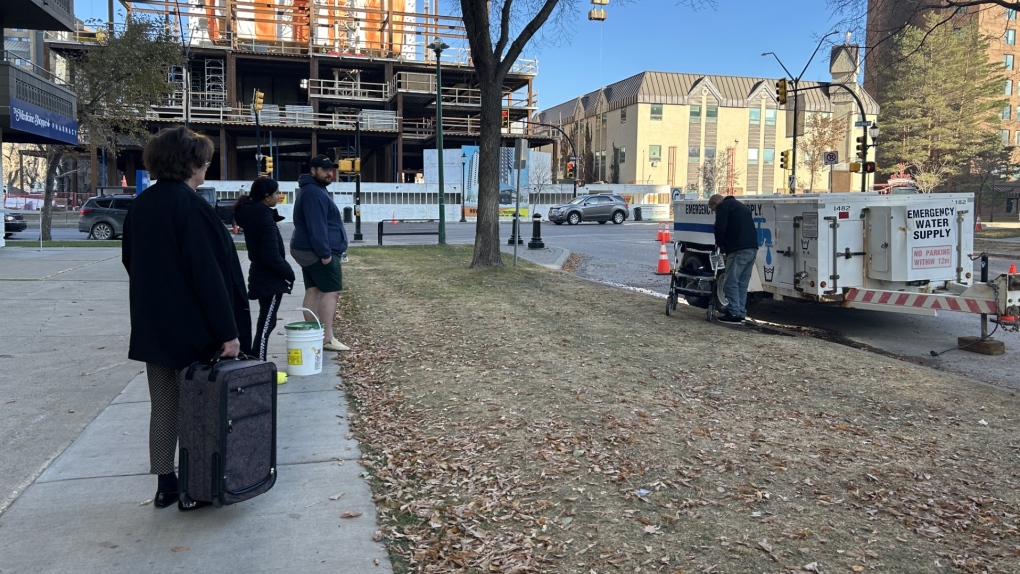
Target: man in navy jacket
{"type": "Point", "coordinates": [318, 241]}
{"type": "Point", "coordinates": [736, 236]}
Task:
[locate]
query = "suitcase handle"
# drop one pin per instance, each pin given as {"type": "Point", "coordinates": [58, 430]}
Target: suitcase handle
{"type": "Point", "coordinates": [215, 361]}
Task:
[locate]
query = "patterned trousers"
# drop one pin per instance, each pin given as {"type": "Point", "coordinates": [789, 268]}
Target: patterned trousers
{"type": "Point", "coordinates": [164, 419]}
{"type": "Point", "coordinates": [268, 306]}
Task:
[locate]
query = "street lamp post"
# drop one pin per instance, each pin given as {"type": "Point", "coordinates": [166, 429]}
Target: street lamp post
{"type": "Point", "coordinates": [463, 185]}
{"type": "Point", "coordinates": [438, 46]}
{"type": "Point", "coordinates": [792, 184]}
{"type": "Point", "coordinates": [358, 236]}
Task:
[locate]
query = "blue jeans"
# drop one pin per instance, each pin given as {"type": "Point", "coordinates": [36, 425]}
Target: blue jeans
{"type": "Point", "coordinates": [739, 265]}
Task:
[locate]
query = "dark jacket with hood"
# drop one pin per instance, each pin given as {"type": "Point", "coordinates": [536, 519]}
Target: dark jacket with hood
{"type": "Point", "coordinates": [185, 284]}
{"type": "Point", "coordinates": [734, 226]}
{"type": "Point", "coordinates": [318, 226]}
{"type": "Point", "coordinates": [269, 274]}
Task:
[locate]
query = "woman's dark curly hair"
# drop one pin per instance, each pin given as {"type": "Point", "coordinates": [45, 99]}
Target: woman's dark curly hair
{"type": "Point", "coordinates": [175, 154]}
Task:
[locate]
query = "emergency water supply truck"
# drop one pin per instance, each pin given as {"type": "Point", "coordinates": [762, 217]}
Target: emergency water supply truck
{"type": "Point", "coordinates": [902, 253]}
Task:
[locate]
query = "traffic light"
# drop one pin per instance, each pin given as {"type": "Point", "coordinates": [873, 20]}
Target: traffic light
{"type": "Point", "coordinates": [256, 101]}
{"type": "Point", "coordinates": [570, 170]}
{"type": "Point", "coordinates": [862, 147]}
{"type": "Point", "coordinates": [784, 159]}
{"type": "Point", "coordinates": [506, 119]}
{"type": "Point", "coordinates": [781, 91]}
{"type": "Point", "coordinates": [855, 167]}
{"type": "Point", "coordinates": [869, 167]}
{"type": "Point", "coordinates": [269, 164]}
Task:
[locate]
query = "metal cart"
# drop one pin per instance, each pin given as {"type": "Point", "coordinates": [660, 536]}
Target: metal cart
{"type": "Point", "coordinates": [696, 275]}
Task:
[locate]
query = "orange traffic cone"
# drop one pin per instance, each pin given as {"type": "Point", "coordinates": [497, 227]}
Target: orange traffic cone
{"type": "Point", "coordinates": [977, 223]}
{"type": "Point", "coordinates": [1012, 269]}
{"type": "Point", "coordinates": [667, 233]}
{"type": "Point", "coordinates": [663, 268]}
{"type": "Point", "coordinates": [658, 234]}
{"type": "Point", "coordinates": [394, 219]}
{"type": "Point", "coordinates": [123, 181]}
{"type": "Point", "coordinates": [235, 228]}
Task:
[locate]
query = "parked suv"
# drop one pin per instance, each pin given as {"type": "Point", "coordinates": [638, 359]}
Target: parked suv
{"type": "Point", "coordinates": [103, 217]}
{"type": "Point", "coordinates": [13, 223]}
{"type": "Point", "coordinates": [601, 207]}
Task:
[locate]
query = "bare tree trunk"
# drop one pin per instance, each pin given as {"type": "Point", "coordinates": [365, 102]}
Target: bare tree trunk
{"type": "Point", "coordinates": [487, 246]}
{"type": "Point", "coordinates": [46, 215]}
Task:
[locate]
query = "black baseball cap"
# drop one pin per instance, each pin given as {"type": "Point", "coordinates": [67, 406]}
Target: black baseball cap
{"type": "Point", "coordinates": [322, 161]}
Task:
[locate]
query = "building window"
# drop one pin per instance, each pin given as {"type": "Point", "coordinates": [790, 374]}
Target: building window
{"type": "Point", "coordinates": [695, 114]}
{"type": "Point", "coordinates": [711, 114]}
{"type": "Point", "coordinates": [768, 157]}
{"type": "Point", "coordinates": [623, 155]}
{"type": "Point", "coordinates": [770, 116]}
{"type": "Point", "coordinates": [603, 119]}
{"type": "Point", "coordinates": [755, 116]}
{"type": "Point", "coordinates": [1009, 88]}
{"type": "Point", "coordinates": [1005, 136]}
{"type": "Point", "coordinates": [693, 154]}
{"type": "Point", "coordinates": [1010, 14]}
{"type": "Point", "coordinates": [1010, 37]}
{"type": "Point", "coordinates": [961, 10]}
{"type": "Point", "coordinates": [623, 115]}
{"type": "Point", "coordinates": [1018, 138]}
{"type": "Point", "coordinates": [1007, 61]}
{"type": "Point", "coordinates": [654, 152]}
{"type": "Point", "coordinates": [752, 156]}
{"type": "Point", "coordinates": [656, 111]}
{"type": "Point", "coordinates": [1006, 112]}
{"type": "Point", "coordinates": [709, 152]}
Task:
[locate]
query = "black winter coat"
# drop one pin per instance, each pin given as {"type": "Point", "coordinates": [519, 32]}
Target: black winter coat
{"type": "Point", "coordinates": [734, 226]}
{"type": "Point", "coordinates": [270, 274]}
{"type": "Point", "coordinates": [185, 283]}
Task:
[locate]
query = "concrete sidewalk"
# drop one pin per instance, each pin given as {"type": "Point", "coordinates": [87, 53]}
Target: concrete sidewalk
{"type": "Point", "coordinates": [81, 503]}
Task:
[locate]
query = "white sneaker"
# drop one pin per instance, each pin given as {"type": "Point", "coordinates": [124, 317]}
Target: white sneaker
{"type": "Point", "coordinates": [335, 346]}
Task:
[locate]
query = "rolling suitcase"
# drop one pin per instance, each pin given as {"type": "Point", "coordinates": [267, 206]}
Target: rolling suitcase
{"type": "Point", "coordinates": [228, 430]}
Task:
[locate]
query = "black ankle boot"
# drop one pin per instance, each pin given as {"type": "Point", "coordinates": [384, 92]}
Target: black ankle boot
{"type": "Point", "coordinates": [166, 491]}
{"type": "Point", "coordinates": [164, 499]}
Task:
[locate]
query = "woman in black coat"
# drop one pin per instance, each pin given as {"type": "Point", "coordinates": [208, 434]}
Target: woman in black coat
{"type": "Point", "coordinates": [270, 275]}
{"type": "Point", "coordinates": [185, 286]}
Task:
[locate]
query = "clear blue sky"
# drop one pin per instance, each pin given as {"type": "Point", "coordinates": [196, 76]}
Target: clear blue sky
{"type": "Point", "coordinates": [661, 36]}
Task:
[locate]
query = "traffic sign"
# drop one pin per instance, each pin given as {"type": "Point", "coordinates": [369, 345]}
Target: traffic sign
{"type": "Point", "coordinates": [862, 124]}
{"type": "Point", "coordinates": [830, 158]}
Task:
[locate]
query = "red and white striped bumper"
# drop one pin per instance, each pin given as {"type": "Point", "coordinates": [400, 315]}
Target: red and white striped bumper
{"type": "Point", "coordinates": [920, 303]}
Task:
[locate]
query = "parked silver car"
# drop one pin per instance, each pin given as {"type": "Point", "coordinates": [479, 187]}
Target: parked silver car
{"type": "Point", "coordinates": [601, 207]}
{"type": "Point", "coordinates": [103, 217]}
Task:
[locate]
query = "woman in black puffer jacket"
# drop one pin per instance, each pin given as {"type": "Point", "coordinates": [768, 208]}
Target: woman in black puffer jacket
{"type": "Point", "coordinates": [270, 275]}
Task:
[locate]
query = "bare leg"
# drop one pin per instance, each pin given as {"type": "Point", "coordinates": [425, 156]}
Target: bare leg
{"type": "Point", "coordinates": [311, 301]}
{"type": "Point", "coordinates": [327, 308]}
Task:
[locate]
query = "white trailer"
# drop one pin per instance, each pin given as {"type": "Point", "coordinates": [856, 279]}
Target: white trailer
{"type": "Point", "coordinates": [901, 253]}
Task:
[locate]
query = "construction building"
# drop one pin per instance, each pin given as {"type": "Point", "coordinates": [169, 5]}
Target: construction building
{"type": "Point", "coordinates": [672, 128]}
{"type": "Point", "coordinates": [348, 78]}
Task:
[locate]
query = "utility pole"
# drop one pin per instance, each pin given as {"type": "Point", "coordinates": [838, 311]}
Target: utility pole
{"type": "Point", "coordinates": [795, 81]}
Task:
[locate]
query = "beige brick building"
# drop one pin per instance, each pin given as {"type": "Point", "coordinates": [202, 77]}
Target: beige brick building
{"type": "Point", "coordinates": [670, 128]}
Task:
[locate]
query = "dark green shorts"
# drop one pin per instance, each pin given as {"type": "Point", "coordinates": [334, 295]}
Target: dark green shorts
{"type": "Point", "coordinates": [325, 278]}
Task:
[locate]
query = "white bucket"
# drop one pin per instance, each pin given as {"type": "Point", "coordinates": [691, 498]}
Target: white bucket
{"type": "Point", "coordinates": [304, 347]}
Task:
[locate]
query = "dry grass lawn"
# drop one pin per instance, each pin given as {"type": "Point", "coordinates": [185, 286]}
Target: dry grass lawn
{"type": "Point", "coordinates": [522, 420]}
